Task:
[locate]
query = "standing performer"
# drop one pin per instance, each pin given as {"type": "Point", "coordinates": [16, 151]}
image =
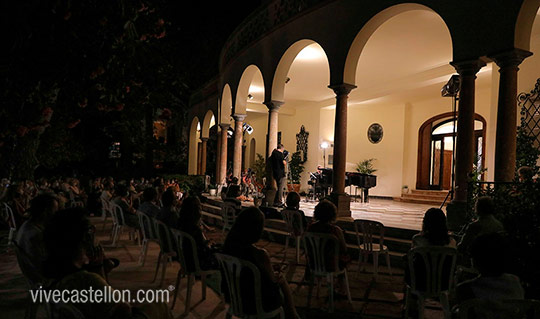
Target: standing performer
{"type": "Point", "coordinates": [278, 172]}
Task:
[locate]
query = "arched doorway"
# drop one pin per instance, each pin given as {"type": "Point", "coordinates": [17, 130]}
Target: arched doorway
{"type": "Point", "coordinates": [436, 148]}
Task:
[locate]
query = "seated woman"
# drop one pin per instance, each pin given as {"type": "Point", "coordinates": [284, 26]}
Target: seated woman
{"type": "Point", "coordinates": [168, 214]}
{"type": "Point", "coordinates": [189, 221]}
{"type": "Point", "coordinates": [240, 242]}
{"type": "Point", "coordinates": [121, 199]}
{"type": "Point", "coordinates": [324, 217]}
{"type": "Point", "coordinates": [292, 202]}
{"type": "Point", "coordinates": [70, 249]}
{"type": "Point", "coordinates": [434, 231]}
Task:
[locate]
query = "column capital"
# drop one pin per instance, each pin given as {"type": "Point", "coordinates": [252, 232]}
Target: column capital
{"type": "Point", "coordinates": [204, 139]}
{"type": "Point", "coordinates": [239, 117]}
{"type": "Point", "coordinates": [468, 68]}
{"type": "Point", "coordinates": [273, 105]}
{"type": "Point", "coordinates": [342, 89]}
{"type": "Point", "coordinates": [224, 126]}
{"type": "Point", "coordinates": [511, 58]}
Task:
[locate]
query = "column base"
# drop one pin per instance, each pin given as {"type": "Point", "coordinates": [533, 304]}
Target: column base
{"type": "Point", "coordinates": [343, 204]}
{"type": "Point", "coordinates": [456, 215]}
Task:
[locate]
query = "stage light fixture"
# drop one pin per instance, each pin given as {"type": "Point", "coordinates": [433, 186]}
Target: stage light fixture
{"type": "Point", "coordinates": [451, 88]}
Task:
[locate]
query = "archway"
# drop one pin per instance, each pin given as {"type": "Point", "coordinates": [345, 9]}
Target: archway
{"type": "Point", "coordinates": [194, 135]}
{"type": "Point", "coordinates": [435, 150]}
{"type": "Point", "coordinates": [403, 56]}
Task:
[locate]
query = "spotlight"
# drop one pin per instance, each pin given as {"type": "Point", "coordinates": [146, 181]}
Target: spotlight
{"type": "Point", "coordinates": [451, 88]}
{"type": "Point", "coordinates": [287, 80]}
{"type": "Point", "coordinates": [250, 97]}
{"type": "Point", "coordinates": [247, 128]}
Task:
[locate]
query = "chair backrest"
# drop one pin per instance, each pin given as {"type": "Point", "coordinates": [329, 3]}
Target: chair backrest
{"type": "Point", "coordinates": [370, 230]}
{"type": "Point", "coordinates": [497, 309]}
{"type": "Point", "coordinates": [432, 269]}
{"type": "Point", "coordinates": [117, 214]}
{"type": "Point", "coordinates": [9, 217]}
{"type": "Point", "coordinates": [294, 221]}
{"type": "Point", "coordinates": [232, 268]}
{"type": "Point", "coordinates": [181, 238]}
{"type": "Point", "coordinates": [164, 236]}
{"type": "Point", "coordinates": [147, 226]}
{"type": "Point", "coordinates": [323, 251]}
{"type": "Point", "coordinates": [228, 213]}
{"type": "Point", "coordinates": [105, 206]}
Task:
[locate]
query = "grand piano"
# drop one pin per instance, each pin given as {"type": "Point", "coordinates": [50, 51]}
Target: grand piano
{"type": "Point", "coordinates": [363, 181]}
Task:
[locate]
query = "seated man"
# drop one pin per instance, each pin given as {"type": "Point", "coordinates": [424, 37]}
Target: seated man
{"type": "Point", "coordinates": [488, 254]}
{"type": "Point", "coordinates": [485, 224]}
{"type": "Point", "coordinates": [147, 206]}
{"type": "Point", "coordinates": [30, 237]}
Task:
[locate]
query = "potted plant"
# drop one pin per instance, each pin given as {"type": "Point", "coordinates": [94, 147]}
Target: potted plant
{"type": "Point", "coordinates": [212, 190]}
{"type": "Point", "coordinates": [405, 189]}
{"type": "Point", "coordinates": [366, 166]}
{"type": "Point", "coordinates": [296, 168]}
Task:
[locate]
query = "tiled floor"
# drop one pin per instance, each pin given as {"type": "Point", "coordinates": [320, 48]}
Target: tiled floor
{"type": "Point", "coordinates": [380, 299]}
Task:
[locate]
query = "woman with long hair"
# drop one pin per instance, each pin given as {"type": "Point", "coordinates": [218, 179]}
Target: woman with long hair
{"type": "Point", "coordinates": [434, 231]}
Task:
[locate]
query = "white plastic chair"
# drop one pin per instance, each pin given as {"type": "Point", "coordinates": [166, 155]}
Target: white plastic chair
{"type": "Point", "coordinates": [295, 228]}
{"type": "Point", "coordinates": [228, 213]}
{"type": "Point", "coordinates": [148, 234]}
{"type": "Point", "coordinates": [437, 276]}
{"type": "Point", "coordinates": [318, 245]}
{"type": "Point", "coordinates": [119, 223]}
{"type": "Point", "coordinates": [167, 250]}
{"type": "Point", "coordinates": [105, 211]}
{"type": "Point", "coordinates": [10, 219]}
{"type": "Point", "coordinates": [499, 309]}
{"type": "Point", "coordinates": [368, 245]}
{"type": "Point", "coordinates": [73, 202]}
{"type": "Point", "coordinates": [181, 237]}
{"type": "Point", "coordinates": [232, 268]}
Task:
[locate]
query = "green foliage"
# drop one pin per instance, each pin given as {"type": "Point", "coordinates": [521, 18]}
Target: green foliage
{"type": "Point", "coordinates": [526, 153]}
{"type": "Point", "coordinates": [517, 206]}
{"type": "Point", "coordinates": [366, 166]}
{"type": "Point", "coordinates": [296, 167]}
{"type": "Point", "coordinates": [86, 73]}
{"type": "Point", "coordinates": [259, 167]}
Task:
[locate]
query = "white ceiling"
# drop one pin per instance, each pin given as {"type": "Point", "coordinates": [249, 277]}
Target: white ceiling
{"type": "Point", "coordinates": [406, 59]}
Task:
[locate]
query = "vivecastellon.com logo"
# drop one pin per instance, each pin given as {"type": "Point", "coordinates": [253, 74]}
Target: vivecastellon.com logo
{"type": "Point", "coordinates": [101, 295]}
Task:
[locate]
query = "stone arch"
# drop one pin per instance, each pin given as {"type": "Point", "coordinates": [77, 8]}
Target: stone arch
{"type": "Point", "coordinates": [424, 146]}
{"type": "Point", "coordinates": [194, 136]}
{"type": "Point", "coordinates": [226, 105]}
{"type": "Point", "coordinates": [243, 88]}
{"type": "Point", "coordinates": [207, 123]}
{"type": "Point", "coordinates": [524, 24]}
{"type": "Point", "coordinates": [284, 65]}
{"type": "Point", "coordinates": [355, 50]}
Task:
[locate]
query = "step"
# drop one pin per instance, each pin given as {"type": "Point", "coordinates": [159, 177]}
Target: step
{"type": "Point", "coordinates": [429, 192]}
{"type": "Point", "coordinates": [420, 196]}
{"type": "Point", "coordinates": [421, 201]}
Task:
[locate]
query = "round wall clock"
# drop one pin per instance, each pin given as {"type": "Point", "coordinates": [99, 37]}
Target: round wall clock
{"type": "Point", "coordinates": [375, 133]}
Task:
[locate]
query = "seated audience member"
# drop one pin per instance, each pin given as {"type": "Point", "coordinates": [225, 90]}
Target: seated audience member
{"type": "Point", "coordinates": [324, 217]}
{"type": "Point", "coordinates": [190, 222]}
{"type": "Point", "coordinates": [69, 246]}
{"type": "Point", "coordinates": [233, 194]}
{"type": "Point", "coordinates": [16, 199]}
{"type": "Point", "coordinates": [121, 199]}
{"type": "Point", "coordinates": [292, 202]}
{"type": "Point", "coordinates": [434, 231]}
{"type": "Point", "coordinates": [526, 174]}
{"type": "Point", "coordinates": [485, 224]}
{"type": "Point", "coordinates": [168, 214]}
{"type": "Point", "coordinates": [29, 238]}
{"type": "Point", "coordinates": [240, 242]}
{"type": "Point", "coordinates": [107, 192]}
{"type": "Point", "coordinates": [489, 253]}
{"type": "Point", "coordinates": [148, 205]}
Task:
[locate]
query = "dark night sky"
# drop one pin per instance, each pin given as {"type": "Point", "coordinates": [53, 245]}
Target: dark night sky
{"type": "Point", "coordinates": [204, 28]}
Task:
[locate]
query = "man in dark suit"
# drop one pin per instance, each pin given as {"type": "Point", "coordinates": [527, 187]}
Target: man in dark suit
{"type": "Point", "coordinates": [278, 172]}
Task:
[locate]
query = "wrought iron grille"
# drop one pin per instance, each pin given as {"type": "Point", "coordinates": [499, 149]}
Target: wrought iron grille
{"type": "Point", "coordinates": [530, 112]}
